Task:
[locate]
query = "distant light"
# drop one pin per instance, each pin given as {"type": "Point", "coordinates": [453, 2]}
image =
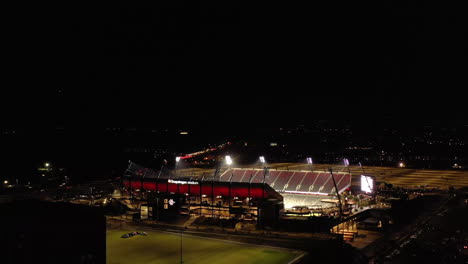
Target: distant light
{"type": "Point", "coordinates": [262, 159]}
{"type": "Point", "coordinates": [183, 132]}
{"type": "Point", "coordinates": [309, 160]}
{"type": "Point", "coordinates": [177, 159]}
{"type": "Point", "coordinates": [228, 160]}
{"type": "Point", "coordinates": [273, 144]}
{"type": "Point", "coordinates": [401, 164]}
{"type": "Point", "coordinates": [5, 182]}
{"type": "Point", "coordinates": [47, 164]}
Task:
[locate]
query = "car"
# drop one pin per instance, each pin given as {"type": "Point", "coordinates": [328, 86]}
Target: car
{"type": "Point", "coordinates": [134, 234]}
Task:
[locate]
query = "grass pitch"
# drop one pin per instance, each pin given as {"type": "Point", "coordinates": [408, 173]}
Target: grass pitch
{"type": "Point", "coordinates": [159, 247]}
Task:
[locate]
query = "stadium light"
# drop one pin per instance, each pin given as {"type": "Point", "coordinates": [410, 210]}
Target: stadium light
{"type": "Point", "coordinates": [309, 161]}
{"type": "Point", "coordinates": [177, 159]}
{"type": "Point", "coordinates": [346, 162]}
{"type": "Point", "coordinates": [262, 159]}
{"type": "Point", "coordinates": [228, 160]}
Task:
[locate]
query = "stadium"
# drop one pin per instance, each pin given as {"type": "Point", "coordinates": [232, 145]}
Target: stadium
{"type": "Point", "coordinates": [206, 183]}
{"type": "Point", "coordinates": [260, 195]}
{"type": "Point", "coordinates": [299, 188]}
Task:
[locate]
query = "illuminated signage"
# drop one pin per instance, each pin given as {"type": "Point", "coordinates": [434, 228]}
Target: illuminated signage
{"type": "Point", "coordinates": [182, 182]}
{"type": "Point", "coordinates": [367, 184]}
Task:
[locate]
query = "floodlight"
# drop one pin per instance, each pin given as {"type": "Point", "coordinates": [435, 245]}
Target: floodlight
{"type": "Point", "coordinates": [228, 160]}
{"type": "Point", "coordinates": [346, 162]}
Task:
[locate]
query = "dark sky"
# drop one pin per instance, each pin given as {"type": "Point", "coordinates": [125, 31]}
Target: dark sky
{"type": "Point", "coordinates": [211, 63]}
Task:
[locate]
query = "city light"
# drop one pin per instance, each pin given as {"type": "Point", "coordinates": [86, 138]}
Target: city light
{"type": "Point", "coordinates": [262, 159]}
{"type": "Point", "coordinates": [401, 164]}
{"type": "Point", "coordinates": [47, 164]}
{"type": "Point", "coordinates": [228, 160]}
{"type": "Point", "coordinates": [309, 160]}
{"type": "Point", "coordinates": [177, 159]}
{"type": "Point", "coordinates": [5, 182]}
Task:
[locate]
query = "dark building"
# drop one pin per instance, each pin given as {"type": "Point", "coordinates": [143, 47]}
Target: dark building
{"type": "Point", "coordinates": [44, 232]}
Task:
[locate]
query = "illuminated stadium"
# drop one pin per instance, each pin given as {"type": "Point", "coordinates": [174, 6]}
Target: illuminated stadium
{"type": "Point", "coordinates": [247, 188]}
{"type": "Point", "coordinates": [314, 189]}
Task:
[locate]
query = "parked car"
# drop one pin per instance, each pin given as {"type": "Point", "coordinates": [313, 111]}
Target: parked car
{"type": "Point", "coordinates": [133, 234]}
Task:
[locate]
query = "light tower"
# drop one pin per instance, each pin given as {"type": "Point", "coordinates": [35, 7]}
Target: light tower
{"type": "Point", "coordinates": [177, 160]}
{"type": "Point", "coordinates": [309, 163]}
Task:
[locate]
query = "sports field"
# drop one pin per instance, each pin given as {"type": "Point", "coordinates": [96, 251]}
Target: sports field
{"type": "Point", "coordinates": [161, 247]}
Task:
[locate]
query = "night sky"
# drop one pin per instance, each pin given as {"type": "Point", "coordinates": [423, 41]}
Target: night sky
{"type": "Point", "coordinates": [198, 63]}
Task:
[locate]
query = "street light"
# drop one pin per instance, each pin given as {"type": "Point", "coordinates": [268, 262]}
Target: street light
{"type": "Point", "coordinates": [5, 182]}
{"type": "Point", "coordinates": [47, 164]}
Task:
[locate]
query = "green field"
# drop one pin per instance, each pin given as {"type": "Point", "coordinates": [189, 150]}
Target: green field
{"type": "Point", "coordinates": [159, 247]}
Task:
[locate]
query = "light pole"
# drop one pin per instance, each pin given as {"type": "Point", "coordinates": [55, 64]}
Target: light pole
{"type": "Point", "coordinates": [310, 163]}
{"type": "Point", "coordinates": [181, 258]}
{"type": "Point", "coordinates": [177, 160]}
{"type": "Point", "coordinates": [265, 171]}
{"type": "Point", "coordinates": [228, 161]}
{"type": "Point", "coordinates": [362, 168]}
{"type": "Point", "coordinates": [262, 160]}
{"type": "Point", "coordinates": [346, 163]}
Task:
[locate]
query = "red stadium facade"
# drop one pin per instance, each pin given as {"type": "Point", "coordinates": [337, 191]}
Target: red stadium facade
{"type": "Point", "coordinates": [257, 202]}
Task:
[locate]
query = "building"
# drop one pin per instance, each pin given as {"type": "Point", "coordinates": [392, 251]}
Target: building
{"type": "Point", "coordinates": [164, 197]}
